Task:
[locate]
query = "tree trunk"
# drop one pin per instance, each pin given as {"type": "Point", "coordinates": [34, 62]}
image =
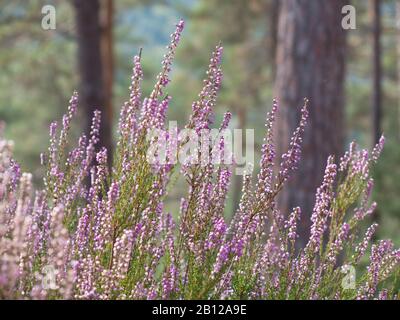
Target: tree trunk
{"type": "Point", "coordinates": [377, 70]}
{"type": "Point", "coordinates": [93, 92]}
{"type": "Point", "coordinates": [273, 16]}
{"type": "Point", "coordinates": [375, 12]}
{"type": "Point", "coordinates": [398, 66]}
{"type": "Point", "coordinates": [310, 63]}
{"type": "Point", "coordinates": [106, 21]}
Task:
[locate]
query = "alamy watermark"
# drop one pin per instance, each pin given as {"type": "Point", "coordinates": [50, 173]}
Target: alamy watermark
{"type": "Point", "coordinates": [203, 147]}
{"type": "Point", "coordinates": [47, 277]}
{"type": "Point", "coordinates": [349, 280]}
{"type": "Point", "coordinates": [349, 19]}
{"type": "Point", "coordinates": [49, 17]}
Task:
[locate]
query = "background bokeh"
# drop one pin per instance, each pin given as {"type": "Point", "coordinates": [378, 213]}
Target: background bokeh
{"type": "Point", "coordinates": [39, 71]}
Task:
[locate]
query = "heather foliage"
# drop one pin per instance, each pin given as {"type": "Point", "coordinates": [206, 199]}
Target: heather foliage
{"type": "Point", "coordinates": [100, 233]}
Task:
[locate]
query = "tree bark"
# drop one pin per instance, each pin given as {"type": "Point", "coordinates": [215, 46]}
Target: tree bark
{"type": "Point", "coordinates": [375, 13]}
{"type": "Point", "coordinates": [398, 65]}
{"type": "Point", "coordinates": [377, 70]}
{"type": "Point", "coordinates": [310, 64]}
{"type": "Point", "coordinates": [274, 22]}
{"type": "Point", "coordinates": [93, 92]}
{"type": "Point", "coordinates": [106, 20]}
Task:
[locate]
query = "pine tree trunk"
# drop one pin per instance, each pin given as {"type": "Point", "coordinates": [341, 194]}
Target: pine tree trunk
{"type": "Point", "coordinates": [273, 17]}
{"type": "Point", "coordinates": [92, 93]}
{"type": "Point", "coordinates": [398, 65]}
{"type": "Point", "coordinates": [310, 63]}
{"type": "Point", "coordinates": [375, 12]}
{"type": "Point", "coordinates": [107, 57]}
{"type": "Point", "coordinates": [377, 70]}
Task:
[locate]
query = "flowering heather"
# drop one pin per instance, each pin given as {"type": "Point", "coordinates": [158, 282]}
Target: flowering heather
{"type": "Point", "coordinates": [100, 233]}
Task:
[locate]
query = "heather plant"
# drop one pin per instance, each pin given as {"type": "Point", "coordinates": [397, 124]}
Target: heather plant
{"type": "Point", "coordinates": [95, 232]}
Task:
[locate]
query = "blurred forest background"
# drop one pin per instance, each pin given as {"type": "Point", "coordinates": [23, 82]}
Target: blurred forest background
{"type": "Point", "coordinates": [284, 48]}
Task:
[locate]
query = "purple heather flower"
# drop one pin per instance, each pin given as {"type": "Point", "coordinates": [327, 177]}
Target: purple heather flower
{"type": "Point", "coordinates": [226, 120]}
{"type": "Point", "coordinates": [67, 118]}
{"type": "Point", "coordinates": [202, 109]}
{"type": "Point", "coordinates": [337, 245]}
{"type": "Point", "coordinates": [264, 184]}
{"type": "Point", "coordinates": [291, 224]}
{"type": "Point", "coordinates": [378, 149]}
{"type": "Point", "coordinates": [162, 78]}
{"type": "Point", "coordinates": [361, 248]}
{"type": "Point", "coordinates": [321, 210]}
{"type": "Point", "coordinates": [222, 257]}
{"type": "Point", "coordinates": [291, 158]}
